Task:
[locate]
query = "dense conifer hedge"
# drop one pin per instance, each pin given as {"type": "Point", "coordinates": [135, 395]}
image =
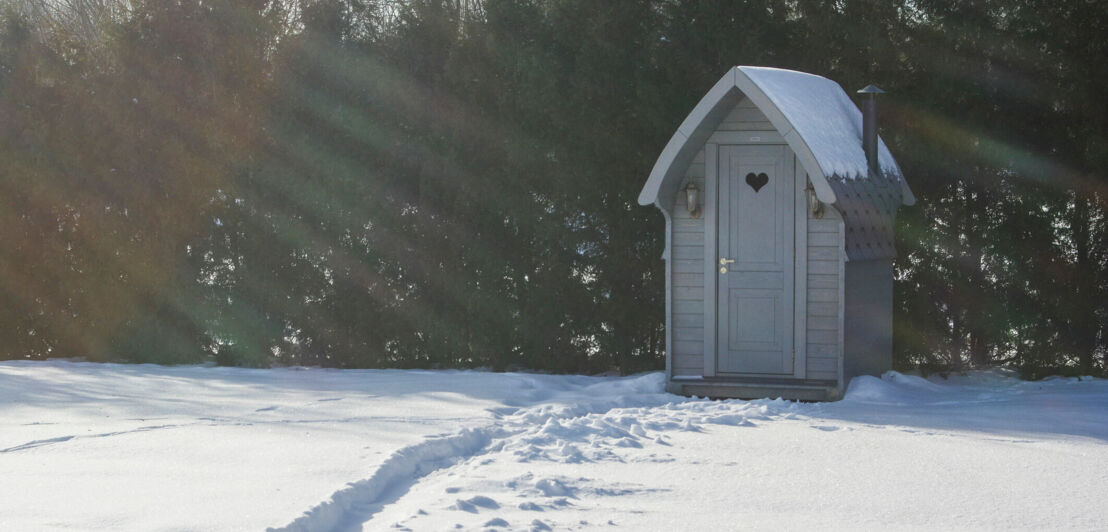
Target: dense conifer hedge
{"type": "Point", "coordinates": [354, 183]}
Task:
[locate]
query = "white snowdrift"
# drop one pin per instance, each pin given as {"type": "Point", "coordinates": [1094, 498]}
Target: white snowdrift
{"type": "Point", "coordinates": [93, 446]}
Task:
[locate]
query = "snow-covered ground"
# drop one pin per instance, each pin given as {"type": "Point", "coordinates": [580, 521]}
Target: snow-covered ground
{"type": "Point", "coordinates": [103, 446]}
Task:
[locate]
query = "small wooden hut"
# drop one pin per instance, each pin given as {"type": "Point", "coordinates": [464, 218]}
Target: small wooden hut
{"type": "Point", "coordinates": [779, 239]}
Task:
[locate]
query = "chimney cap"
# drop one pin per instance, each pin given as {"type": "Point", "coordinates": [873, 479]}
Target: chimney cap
{"type": "Point", "coordinates": [870, 89]}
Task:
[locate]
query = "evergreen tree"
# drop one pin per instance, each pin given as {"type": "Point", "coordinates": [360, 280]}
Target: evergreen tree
{"type": "Point", "coordinates": [452, 183]}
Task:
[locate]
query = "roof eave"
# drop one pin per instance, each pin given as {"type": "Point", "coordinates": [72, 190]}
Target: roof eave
{"type": "Point", "coordinates": [906, 196]}
{"type": "Point", "coordinates": [702, 120]}
{"type": "Point", "coordinates": [692, 133]}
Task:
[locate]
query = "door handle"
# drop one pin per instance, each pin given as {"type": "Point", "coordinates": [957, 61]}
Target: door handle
{"type": "Point", "coordinates": [723, 265]}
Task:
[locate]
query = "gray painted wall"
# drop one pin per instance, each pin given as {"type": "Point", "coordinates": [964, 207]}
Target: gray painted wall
{"type": "Point", "coordinates": [824, 253]}
{"type": "Point", "coordinates": [868, 325]}
{"type": "Point", "coordinates": [687, 269]}
{"type": "Point", "coordinates": [825, 292]}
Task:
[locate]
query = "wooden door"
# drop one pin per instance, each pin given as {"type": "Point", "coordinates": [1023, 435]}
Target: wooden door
{"type": "Point", "coordinates": [755, 261]}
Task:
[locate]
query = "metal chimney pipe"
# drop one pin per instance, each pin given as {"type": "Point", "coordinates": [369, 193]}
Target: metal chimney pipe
{"type": "Point", "coordinates": [869, 127]}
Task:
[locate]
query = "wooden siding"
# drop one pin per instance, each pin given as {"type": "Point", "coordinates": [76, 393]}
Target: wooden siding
{"type": "Point", "coordinates": [745, 117]}
{"type": "Point", "coordinates": [824, 288]}
{"type": "Point", "coordinates": [688, 269]}
{"type": "Point", "coordinates": [687, 282]}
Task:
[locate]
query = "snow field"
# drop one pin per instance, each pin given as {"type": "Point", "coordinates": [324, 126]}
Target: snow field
{"type": "Point", "coordinates": [771, 465]}
{"type": "Point", "coordinates": [143, 447]}
{"type": "Point", "coordinates": [982, 452]}
{"type": "Point", "coordinates": [152, 448]}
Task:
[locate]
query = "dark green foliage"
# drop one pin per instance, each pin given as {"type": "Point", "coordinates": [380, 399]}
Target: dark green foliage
{"type": "Point", "coordinates": [452, 183]}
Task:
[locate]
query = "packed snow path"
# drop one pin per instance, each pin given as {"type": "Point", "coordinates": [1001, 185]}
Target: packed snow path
{"type": "Point", "coordinates": [91, 446]}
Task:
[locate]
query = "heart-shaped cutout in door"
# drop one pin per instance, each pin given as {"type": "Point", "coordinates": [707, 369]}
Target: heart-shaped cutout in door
{"type": "Point", "coordinates": [756, 182]}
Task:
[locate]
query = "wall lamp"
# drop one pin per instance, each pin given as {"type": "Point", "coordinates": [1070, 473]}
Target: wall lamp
{"type": "Point", "coordinates": [692, 199]}
{"type": "Point", "coordinates": [814, 204]}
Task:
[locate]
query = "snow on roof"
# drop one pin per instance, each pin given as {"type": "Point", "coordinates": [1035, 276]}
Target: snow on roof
{"type": "Point", "coordinates": [825, 117]}
{"type": "Point", "coordinates": [814, 115]}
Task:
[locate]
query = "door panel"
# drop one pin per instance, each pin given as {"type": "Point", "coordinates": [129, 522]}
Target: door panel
{"type": "Point", "coordinates": [755, 230]}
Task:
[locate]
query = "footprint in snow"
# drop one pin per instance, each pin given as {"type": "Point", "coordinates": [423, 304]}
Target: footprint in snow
{"type": "Point", "coordinates": [484, 502]}
{"type": "Point", "coordinates": [620, 492]}
{"type": "Point", "coordinates": [826, 428]}
{"type": "Point", "coordinates": [516, 481]}
{"type": "Point", "coordinates": [464, 506]}
{"type": "Point", "coordinates": [37, 443]}
{"type": "Point", "coordinates": [503, 410]}
{"type": "Point", "coordinates": [655, 459]}
{"type": "Point", "coordinates": [552, 487]}
{"type": "Point", "coordinates": [471, 504]}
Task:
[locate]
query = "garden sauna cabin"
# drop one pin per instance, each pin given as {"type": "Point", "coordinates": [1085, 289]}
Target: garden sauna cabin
{"type": "Point", "coordinates": [779, 201]}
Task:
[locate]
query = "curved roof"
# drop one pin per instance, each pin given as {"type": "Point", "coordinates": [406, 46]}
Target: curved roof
{"type": "Point", "coordinates": [817, 119]}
